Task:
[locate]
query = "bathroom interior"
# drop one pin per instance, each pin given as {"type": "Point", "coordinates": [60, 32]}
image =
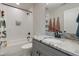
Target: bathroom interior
{"type": "Point", "coordinates": [39, 29]}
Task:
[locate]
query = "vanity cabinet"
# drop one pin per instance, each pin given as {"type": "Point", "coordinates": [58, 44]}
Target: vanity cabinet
{"type": "Point", "coordinates": [41, 49]}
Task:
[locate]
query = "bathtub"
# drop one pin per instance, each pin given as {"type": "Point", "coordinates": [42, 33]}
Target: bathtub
{"type": "Point", "coordinates": [19, 47]}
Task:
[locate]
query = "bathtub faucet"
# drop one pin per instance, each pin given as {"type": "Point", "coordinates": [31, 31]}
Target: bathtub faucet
{"type": "Point", "coordinates": [28, 37]}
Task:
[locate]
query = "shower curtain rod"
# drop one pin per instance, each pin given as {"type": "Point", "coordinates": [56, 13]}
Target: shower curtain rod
{"type": "Point", "coordinates": [16, 7]}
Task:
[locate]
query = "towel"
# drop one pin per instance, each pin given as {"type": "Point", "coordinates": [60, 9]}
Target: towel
{"type": "Point", "coordinates": [77, 33]}
{"type": "Point", "coordinates": [58, 25]}
{"type": "Point", "coordinates": [77, 19]}
{"type": "Point", "coordinates": [50, 26]}
{"type": "Point", "coordinates": [53, 28]}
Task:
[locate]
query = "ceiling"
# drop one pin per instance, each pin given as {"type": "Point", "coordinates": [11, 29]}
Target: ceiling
{"type": "Point", "coordinates": [53, 6]}
{"type": "Point", "coordinates": [27, 6]}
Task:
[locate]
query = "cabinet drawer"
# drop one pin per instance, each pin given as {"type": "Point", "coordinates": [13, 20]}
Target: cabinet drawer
{"type": "Point", "coordinates": [51, 50]}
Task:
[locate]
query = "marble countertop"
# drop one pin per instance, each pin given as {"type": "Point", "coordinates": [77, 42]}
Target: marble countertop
{"type": "Point", "coordinates": [66, 45]}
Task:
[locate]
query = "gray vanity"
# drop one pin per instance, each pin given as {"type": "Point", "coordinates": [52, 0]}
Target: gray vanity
{"type": "Point", "coordinates": [41, 48]}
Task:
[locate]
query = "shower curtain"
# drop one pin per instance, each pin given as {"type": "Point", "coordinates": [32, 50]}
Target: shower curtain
{"type": "Point", "coordinates": [3, 40]}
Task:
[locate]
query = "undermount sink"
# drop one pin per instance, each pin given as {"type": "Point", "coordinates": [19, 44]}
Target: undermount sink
{"type": "Point", "coordinates": [53, 41]}
{"type": "Point", "coordinates": [48, 37]}
{"type": "Point", "coordinates": [52, 37]}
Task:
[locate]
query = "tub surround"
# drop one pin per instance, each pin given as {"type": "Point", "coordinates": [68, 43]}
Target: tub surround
{"type": "Point", "coordinates": [68, 46]}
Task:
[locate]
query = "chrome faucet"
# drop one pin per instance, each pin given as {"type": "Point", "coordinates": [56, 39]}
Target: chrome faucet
{"type": "Point", "coordinates": [58, 34]}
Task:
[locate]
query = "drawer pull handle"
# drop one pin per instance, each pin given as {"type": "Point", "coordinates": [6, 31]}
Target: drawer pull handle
{"type": "Point", "coordinates": [37, 52]}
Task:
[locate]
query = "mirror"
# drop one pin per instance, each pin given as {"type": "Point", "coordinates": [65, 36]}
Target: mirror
{"type": "Point", "coordinates": [70, 20]}
{"type": "Point", "coordinates": [55, 16]}
{"type": "Point", "coordinates": [68, 14]}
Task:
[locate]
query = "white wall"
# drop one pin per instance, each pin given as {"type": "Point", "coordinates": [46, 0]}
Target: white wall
{"type": "Point", "coordinates": [11, 15]}
{"type": "Point", "coordinates": [39, 18]}
{"type": "Point", "coordinates": [60, 12]}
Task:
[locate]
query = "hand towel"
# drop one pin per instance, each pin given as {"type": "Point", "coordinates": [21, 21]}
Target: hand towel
{"type": "Point", "coordinates": [77, 19]}
{"type": "Point", "coordinates": [50, 26]}
{"type": "Point", "coordinates": [77, 33]}
{"type": "Point", "coordinates": [58, 25]}
{"type": "Point", "coordinates": [53, 28]}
